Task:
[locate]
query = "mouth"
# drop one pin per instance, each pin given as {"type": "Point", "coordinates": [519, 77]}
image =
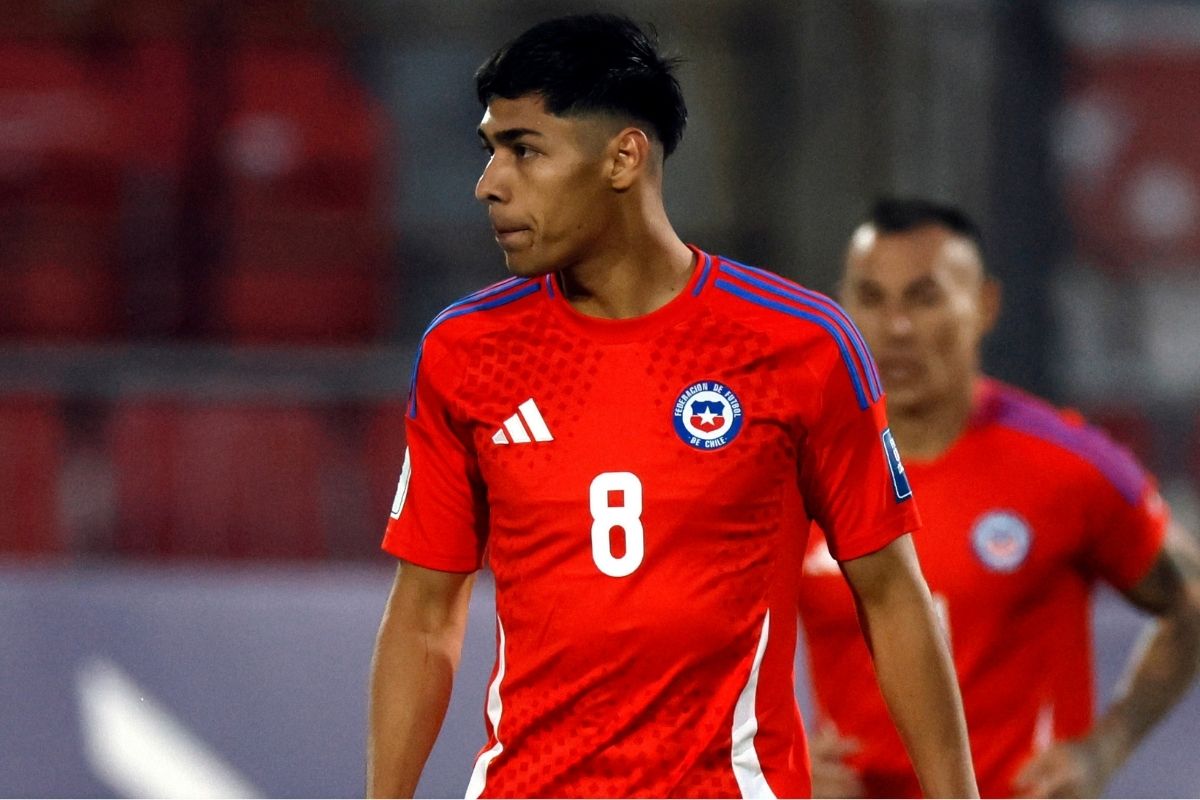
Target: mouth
{"type": "Point", "coordinates": [510, 236]}
{"type": "Point", "coordinates": [895, 370]}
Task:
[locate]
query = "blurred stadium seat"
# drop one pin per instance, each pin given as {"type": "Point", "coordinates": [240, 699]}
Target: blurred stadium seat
{"type": "Point", "coordinates": [32, 440]}
{"type": "Point", "coordinates": [307, 243]}
{"type": "Point", "coordinates": [229, 480]}
{"type": "Point", "coordinates": [60, 187]}
{"type": "Point", "coordinates": [266, 306]}
{"type": "Point", "coordinates": [60, 280]}
{"type": "Point", "coordinates": [384, 455]}
{"type": "Point", "coordinates": [1132, 170]}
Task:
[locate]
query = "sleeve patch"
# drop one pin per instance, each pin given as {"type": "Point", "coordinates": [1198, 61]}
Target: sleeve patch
{"type": "Point", "coordinates": [900, 483]}
{"type": "Point", "coordinates": [402, 487]}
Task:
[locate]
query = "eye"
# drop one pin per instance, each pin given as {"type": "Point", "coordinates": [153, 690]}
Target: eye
{"type": "Point", "coordinates": [926, 294]}
{"type": "Point", "coordinates": [487, 148]}
{"type": "Point", "coordinates": [522, 150]}
{"type": "Point", "coordinates": [868, 296]}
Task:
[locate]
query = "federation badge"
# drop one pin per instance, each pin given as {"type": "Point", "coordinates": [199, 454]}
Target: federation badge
{"type": "Point", "coordinates": [708, 415]}
{"type": "Point", "coordinates": [1001, 540]}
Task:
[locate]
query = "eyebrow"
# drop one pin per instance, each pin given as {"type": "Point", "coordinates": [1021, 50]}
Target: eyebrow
{"type": "Point", "coordinates": [508, 135]}
{"type": "Point", "coordinates": [921, 283]}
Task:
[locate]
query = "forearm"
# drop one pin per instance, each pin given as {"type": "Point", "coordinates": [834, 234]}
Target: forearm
{"type": "Point", "coordinates": [1165, 662]}
{"type": "Point", "coordinates": [412, 673]}
{"type": "Point", "coordinates": [917, 679]}
{"type": "Point", "coordinates": [912, 664]}
{"type": "Point", "coordinates": [1161, 670]}
{"type": "Point", "coordinates": [411, 679]}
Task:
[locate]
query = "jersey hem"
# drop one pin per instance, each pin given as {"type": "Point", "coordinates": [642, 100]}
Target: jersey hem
{"type": "Point", "coordinates": [441, 563]}
{"type": "Point", "coordinates": [878, 538]}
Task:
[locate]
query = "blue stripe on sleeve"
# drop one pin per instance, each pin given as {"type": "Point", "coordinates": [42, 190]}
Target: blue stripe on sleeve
{"type": "Point", "coordinates": [813, 299]}
{"type": "Point", "coordinates": [483, 301]}
{"type": "Point", "coordinates": [821, 321]}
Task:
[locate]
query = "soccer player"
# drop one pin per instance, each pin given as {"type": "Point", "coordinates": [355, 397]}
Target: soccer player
{"type": "Point", "coordinates": [1024, 508]}
{"type": "Point", "coordinates": [634, 434]}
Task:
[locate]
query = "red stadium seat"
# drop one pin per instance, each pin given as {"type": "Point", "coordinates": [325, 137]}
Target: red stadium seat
{"type": "Point", "coordinates": [56, 300]}
{"type": "Point", "coordinates": [64, 136]}
{"type": "Point", "coordinates": [60, 193]}
{"type": "Point", "coordinates": [233, 481]}
{"type": "Point", "coordinates": [59, 280]}
{"type": "Point", "coordinates": [384, 455]}
{"type": "Point", "coordinates": [267, 306]}
{"type": "Point", "coordinates": [308, 240]}
{"type": "Point", "coordinates": [32, 439]}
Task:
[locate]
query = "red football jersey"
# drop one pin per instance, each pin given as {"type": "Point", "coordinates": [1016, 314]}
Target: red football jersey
{"type": "Point", "coordinates": [1023, 512]}
{"type": "Point", "coordinates": [642, 489]}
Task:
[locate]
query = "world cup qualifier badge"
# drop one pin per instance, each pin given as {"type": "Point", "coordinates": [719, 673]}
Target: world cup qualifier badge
{"type": "Point", "coordinates": [708, 415]}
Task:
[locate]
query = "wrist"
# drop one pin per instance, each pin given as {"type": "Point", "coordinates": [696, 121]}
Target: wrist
{"type": "Point", "coordinates": [1109, 744]}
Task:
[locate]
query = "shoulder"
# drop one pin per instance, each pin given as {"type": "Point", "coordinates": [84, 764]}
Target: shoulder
{"type": "Point", "coordinates": [781, 303]}
{"type": "Point", "coordinates": [492, 307]}
{"type": "Point", "coordinates": [449, 338]}
{"type": "Point", "coordinates": [1066, 434]}
{"type": "Point", "coordinates": [803, 321]}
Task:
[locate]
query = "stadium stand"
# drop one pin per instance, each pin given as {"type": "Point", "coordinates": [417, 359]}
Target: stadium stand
{"type": "Point", "coordinates": [306, 246]}
{"type": "Point", "coordinates": [60, 184]}
{"type": "Point", "coordinates": [218, 479]}
{"type": "Point", "coordinates": [384, 453]}
{"type": "Point", "coordinates": [31, 440]}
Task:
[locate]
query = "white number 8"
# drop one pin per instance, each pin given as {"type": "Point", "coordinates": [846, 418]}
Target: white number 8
{"type": "Point", "coordinates": [627, 516]}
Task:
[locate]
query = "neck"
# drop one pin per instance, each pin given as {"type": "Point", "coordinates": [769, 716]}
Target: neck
{"type": "Point", "coordinates": [925, 431]}
{"type": "Point", "coordinates": [642, 267]}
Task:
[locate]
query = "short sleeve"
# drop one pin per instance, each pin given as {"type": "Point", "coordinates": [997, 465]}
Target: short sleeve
{"type": "Point", "coordinates": [439, 516]}
{"type": "Point", "coordinates": [851, 474]}
{"type": "Point", "coordinates": [1127, 518]}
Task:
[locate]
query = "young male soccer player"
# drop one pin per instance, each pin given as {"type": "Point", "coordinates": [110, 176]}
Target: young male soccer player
{"type": "Point", "coordinates": [636, 433]}
{"type": "Point", "coordinates": [1024, 508]}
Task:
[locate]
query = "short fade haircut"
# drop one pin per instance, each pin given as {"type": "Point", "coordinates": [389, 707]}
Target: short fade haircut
{"type": "Point", "coordinates": [587, 63]}
{"type": "Point", "coordinates": [902, 214]}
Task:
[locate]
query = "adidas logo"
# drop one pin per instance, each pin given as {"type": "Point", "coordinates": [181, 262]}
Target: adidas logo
{"type": "Point", "coordinates": [527, 422]}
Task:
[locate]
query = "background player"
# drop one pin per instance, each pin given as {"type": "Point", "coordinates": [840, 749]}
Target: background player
{"type": "Point", "coordinates": [638, 432]}
{"type": "Point", "coordinates": [1024, 507]}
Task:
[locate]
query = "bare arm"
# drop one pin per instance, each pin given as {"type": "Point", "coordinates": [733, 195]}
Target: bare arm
{"type": "Point", "coordinates": [913, 666]}
{"type": "Point", "coordinates": [416, 655]}
{"type": "Point", "coordinates": [1160, 671]}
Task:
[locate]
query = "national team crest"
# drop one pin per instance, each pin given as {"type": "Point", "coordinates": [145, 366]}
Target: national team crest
{"type": "Point", "coordinates": [708, 415]}
{"type": "Point", "coordinates": [1001, 540]}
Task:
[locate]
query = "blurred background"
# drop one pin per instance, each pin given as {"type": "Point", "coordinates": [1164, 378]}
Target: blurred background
{"type": "Point", "coordinates": [224, 226]}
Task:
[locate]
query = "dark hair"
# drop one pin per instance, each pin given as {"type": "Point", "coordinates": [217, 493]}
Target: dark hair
{"type": "Point", "coordinates": [897, 215]}
{"type": "Point", "coordinates": [590, 63]}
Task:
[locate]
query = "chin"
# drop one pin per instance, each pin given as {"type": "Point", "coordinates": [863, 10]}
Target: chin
{"type": "Point", "coordinates": [523, 265]}
{"type": "Point", "coordinates": [904, 399]}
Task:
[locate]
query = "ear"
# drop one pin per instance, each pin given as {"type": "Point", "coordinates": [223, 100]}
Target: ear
{"type": "Point", "coordinates": [990, 303]}
{"type": "Point", "coordinates": [632, 155]}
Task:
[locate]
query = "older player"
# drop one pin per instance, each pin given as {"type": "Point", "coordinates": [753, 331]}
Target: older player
{"type": "Point", "coordinates": [1025, 509]}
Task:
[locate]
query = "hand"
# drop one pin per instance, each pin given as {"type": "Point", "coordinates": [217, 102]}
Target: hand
{"type": "Point", "coordinates": [831, 776]}
{"type": "Point", "coordinates": [1068, 769]}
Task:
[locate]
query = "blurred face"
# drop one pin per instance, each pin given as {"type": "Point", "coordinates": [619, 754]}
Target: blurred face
{"type": "Point", "coordinates": [923, 303]}
{"type": "Point", "coordinates": [545, 183]}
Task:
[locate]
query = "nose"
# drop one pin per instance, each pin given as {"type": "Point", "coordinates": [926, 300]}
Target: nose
{"type": "Point", "coordinates": [489, 187]}
{"type": "Point", "coordinates": [898, 323]}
